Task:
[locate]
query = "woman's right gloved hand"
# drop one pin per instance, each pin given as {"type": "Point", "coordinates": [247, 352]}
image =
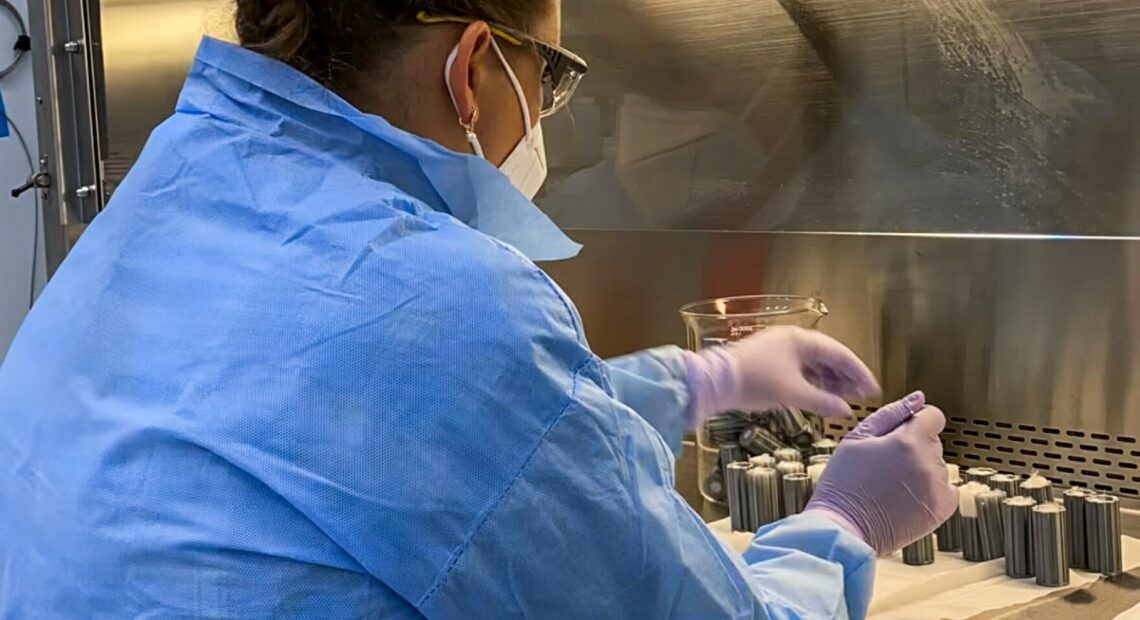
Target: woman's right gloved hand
{"type": "Point", "coordinates": [887, 482]}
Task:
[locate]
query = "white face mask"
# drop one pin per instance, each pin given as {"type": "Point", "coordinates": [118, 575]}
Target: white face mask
{"type": "Point", "coordinates": [526, 165]}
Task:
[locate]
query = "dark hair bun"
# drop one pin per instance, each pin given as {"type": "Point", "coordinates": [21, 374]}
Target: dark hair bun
{"type": "Point", "coordinates": [276, 28]}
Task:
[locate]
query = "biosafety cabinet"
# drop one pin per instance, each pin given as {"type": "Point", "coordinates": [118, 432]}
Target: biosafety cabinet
{"type": "Point", "coordinates": [959, 181]}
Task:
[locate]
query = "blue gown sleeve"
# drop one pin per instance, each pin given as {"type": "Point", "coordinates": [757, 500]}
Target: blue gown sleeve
{"type": "Point", "coordinates": [652, 383]}
{"type": "Point", "coordinates": [592, 528]}
{"type": "Point", "coordinates": [526, 489]}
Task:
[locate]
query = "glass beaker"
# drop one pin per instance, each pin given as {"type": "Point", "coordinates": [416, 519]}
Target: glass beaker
{"type": "Point", "coordinates": [716, 322]}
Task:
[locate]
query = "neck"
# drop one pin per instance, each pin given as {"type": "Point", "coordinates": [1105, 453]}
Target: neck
{"type": "Point", "coordinates": [411, 96]}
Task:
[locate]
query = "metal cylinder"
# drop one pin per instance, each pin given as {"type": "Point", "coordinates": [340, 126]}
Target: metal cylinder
{"type": "Point", "coordinates": [816, 472]}
{"type": "Point", "coordinates": [824, 447]}
{"type": "Point", "coordinates": [764, 460]}
{"type": "Point", "coordinates": [1102, 520]}
{"type": "Point", "coordinates": [764, 496]}
{"type": "Point", "coordinates": [970, 534]}
{"type": "Point", "coordinates": [726, 428]}
{"type": "Point", "coordinates": [790, 467]}
{"type": "Point", "coordinates": [714, 485]}
{"type": "Point", "coordinates": [1006, 483]}
{"type": "Point", "coordinates": [819, 459]}
{"type": "Point", "coordinates": [949, 534]}
{"type": "Point", "coordinates": [787, 468]}
{"type": "Point", "coordinates": [797, 428]}
{"type": "Point", "coordinates": [732, 454]}
{"type": "Point", "coordinates": [1037, 487]}
{"type": "Point", "coordinates": [1077, 531]}
{"type": "Point", "coordinates": [738, 515]}
{"type": "Point", "coordinates": [980, 474]}
{"type": "Point", "coordinates": [920, 553]}
{"type": "Point", "coordinates": [1016, 520]}
{"type": "Point", "coordinates": [788, 455]}
{"type": "Point", "coordinates": [797, 492]}
{"type": "Point", "coordinates": [991, 532]}
{"type": "Point", "coordinates": [758, 440]}
{"type": "Point", "coordinates": [1050, 555]}
{"type": "Point", "coordinates": [971, 540]}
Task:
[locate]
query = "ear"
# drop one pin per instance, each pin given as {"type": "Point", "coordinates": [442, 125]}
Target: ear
{"type": "Point", "coordinates": [465, 75]}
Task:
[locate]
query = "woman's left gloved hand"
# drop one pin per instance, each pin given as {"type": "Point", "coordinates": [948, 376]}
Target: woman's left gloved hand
{"type": "Point", "coordinates": [777, 367]}
{"type": "Point", "coordinates": [887, 481]}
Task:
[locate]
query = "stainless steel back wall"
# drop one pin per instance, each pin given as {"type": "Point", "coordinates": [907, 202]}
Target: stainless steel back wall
{"type": "Point", "coordinates": [1041, 336]}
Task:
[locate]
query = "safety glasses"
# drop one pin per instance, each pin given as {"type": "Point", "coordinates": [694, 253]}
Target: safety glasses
{"type": "Point", "coordinates": [563, 70]}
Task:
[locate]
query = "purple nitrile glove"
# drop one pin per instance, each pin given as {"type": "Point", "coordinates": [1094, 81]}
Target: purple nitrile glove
{"type": "Point", "coordinates": [777, 367]}
{"type": "Point", "coordinates": [886, 482]}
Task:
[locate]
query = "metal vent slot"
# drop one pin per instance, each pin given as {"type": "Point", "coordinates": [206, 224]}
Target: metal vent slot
{"type": "Point", "coordinates": [1068, 457]}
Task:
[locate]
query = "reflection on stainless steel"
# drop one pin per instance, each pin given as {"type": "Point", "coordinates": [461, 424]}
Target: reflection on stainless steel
{"type": "Point", "coordinates": [147, 48]}
{"type": "Point", "coordinates": [851, 115]}
{"type": "Point", "coordinates": [1032, 338]}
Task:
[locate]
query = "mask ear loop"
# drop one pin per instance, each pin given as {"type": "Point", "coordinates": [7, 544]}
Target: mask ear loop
{"type": "Point", "coordinates": [467, 125]}
{"type": "Point", "coordinates": [518, 89]}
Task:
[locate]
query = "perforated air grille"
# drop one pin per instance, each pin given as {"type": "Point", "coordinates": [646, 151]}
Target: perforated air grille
{"type": "Point", "coordinates": [1068, 457]}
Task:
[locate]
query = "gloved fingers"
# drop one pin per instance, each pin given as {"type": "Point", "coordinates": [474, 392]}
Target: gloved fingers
{"type": "Point", "coordinates": [811, 398]}
{"type": "Point", "coordinates": [830, 380]}
{"type": "Point", "coordinates": [930, 421]}
{"type": "Point", "coordinates": [837, 369]}
{"type": "Point", "coordinates": [890, 417]}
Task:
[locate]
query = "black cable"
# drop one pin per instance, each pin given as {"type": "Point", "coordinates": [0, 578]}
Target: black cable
{"type": "Point", "coordinates": [35, 190]}
{"type": "Point", "coordinates": [23, 42]}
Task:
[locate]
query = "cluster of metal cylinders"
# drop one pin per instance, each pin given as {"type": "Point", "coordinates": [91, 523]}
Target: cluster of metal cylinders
{"type": "Point", "coordinates": [765, 489]}
{"type": "Point", "coordinates": [1039, 536]}
{"type": "Point", "coordinates": [1082, 532]}
{"type": "Point", "coordinates": [786, 434]}
{"type": "Point", "coordinates": [767, 433]}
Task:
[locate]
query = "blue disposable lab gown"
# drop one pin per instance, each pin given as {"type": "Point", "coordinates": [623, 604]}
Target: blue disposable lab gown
{"type": "Point", "coordinates": [301, 368]}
